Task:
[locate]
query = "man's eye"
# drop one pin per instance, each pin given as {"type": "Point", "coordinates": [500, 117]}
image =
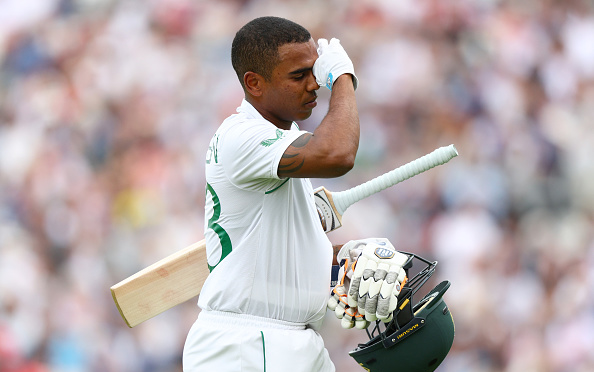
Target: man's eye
{"type": "Point", "coordinates": [299, 77]}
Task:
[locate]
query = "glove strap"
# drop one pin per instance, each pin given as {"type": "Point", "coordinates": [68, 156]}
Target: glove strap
{"type": "Point", "coordinates": [334, 276]}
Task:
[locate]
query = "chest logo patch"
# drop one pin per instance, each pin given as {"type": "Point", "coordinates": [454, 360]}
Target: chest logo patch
{"type": "Point", "coordinates": [279, 134]}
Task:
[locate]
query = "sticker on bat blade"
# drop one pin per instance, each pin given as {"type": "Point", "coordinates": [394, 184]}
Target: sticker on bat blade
{"type": "Point", "coordinates": [329, 221]}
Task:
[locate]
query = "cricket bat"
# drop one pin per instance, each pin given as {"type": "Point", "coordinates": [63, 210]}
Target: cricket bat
{"type": "Point", "coordinates": [180, 276]}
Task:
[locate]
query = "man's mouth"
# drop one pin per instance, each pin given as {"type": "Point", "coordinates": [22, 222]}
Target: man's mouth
{"type": "Point", "coordinates": [312, 103]}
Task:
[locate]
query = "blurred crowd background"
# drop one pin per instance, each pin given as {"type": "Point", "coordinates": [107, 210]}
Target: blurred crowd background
{"type": "Point", "coordinates": [107, 108]}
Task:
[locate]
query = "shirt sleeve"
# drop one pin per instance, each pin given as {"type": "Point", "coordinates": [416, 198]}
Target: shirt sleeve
{"type": "Point", "coordinates": [251, 152]}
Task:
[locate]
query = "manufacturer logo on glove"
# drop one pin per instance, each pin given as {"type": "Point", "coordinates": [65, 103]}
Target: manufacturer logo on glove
{"type": "Point", "coordinates": [329, 81]}
{"type": "Point", "coordinates": [384, 252]}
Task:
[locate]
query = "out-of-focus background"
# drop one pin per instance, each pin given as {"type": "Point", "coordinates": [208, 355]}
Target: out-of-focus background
{"type": "Point", "coordinates": [107, 107]}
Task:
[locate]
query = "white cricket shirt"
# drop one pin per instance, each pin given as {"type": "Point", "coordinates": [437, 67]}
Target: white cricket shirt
{"type": "Point", "coordinates": [263, 235]}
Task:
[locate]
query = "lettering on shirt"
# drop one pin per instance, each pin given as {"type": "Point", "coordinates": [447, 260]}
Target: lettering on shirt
{"type": "Point", "coordinates": [212, 152]}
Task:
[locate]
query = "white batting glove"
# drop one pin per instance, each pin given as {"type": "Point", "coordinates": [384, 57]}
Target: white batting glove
{"type": "Point", "coordinates": [338, 302]}
{"type": "Point", "coordinates": [377, 280]}
{"type": "Point", "coordinates": [332, 62]}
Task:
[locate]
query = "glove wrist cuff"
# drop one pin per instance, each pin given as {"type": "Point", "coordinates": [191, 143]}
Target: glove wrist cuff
{"type": "Point", "coordinates": [334, 276]}
{"type": "Point", "coordinates": [333, 76]}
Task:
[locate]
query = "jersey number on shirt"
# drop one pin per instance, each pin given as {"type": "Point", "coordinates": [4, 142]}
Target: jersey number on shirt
{"type": "Point", "coordinates": [214, 203]}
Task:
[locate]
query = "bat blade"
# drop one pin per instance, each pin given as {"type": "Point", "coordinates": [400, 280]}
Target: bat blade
{"type": "Point", "coordinates": [162, 285]}
{"type": "Point", "coordinates": [181, 275]}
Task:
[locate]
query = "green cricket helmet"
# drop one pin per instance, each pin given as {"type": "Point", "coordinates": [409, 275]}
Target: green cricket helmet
{"type": "Point", "coordinates": [419, 337]}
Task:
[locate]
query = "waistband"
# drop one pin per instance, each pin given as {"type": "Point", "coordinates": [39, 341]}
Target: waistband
{"type": "Point", "coordinates": [227, 319]}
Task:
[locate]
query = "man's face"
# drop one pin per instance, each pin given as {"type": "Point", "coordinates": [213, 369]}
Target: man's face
{"type": "Point", "coordinates": [290, 95]}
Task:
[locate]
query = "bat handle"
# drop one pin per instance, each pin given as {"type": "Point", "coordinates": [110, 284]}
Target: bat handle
{"type": "Point", "coordinates": [344, 199]}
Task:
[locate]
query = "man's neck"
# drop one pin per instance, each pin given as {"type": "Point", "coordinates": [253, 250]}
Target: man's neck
{"type": "Point", "coordinates": [281, 124]}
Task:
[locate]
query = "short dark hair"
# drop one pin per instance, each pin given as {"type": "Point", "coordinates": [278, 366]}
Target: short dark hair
{"type": "Point", "coordinates": [255, 46]}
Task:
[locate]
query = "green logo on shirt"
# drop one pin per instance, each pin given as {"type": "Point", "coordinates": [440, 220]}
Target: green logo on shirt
{"type": "Point", "coordinates": [269, 142]}
{"type": "Point", "coordinates": [212, 152]}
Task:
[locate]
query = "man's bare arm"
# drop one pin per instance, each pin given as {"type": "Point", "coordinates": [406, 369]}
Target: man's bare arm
{"type": "Point", "coordinates": [330, 151]}
{"type": "Point", "coordinates": [336, 249]}
{"type": "Point", "coordinates": [294, 158]}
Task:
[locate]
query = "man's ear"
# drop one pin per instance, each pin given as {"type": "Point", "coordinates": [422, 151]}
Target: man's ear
{"type": "Point", "coordinates": [253, 83]}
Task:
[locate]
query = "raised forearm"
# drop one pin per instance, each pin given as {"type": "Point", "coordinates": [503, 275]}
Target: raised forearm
{"type": "Point", "coordinates": [339, 131]}
{"type": "Point", "coordinates": [331, 149]}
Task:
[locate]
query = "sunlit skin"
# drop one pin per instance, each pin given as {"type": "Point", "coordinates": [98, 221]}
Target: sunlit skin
{"type": "Point", "coordinates": [290, 93]}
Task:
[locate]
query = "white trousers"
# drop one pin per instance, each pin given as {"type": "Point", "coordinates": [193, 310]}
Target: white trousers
{"type": "Point", "coordinates": [229, 342]}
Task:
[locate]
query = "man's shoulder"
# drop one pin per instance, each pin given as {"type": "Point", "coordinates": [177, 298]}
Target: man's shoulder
{"type": "Point", "coordinates": [244, 117]}
{"type": "Point", "coordinates": [242, 123]}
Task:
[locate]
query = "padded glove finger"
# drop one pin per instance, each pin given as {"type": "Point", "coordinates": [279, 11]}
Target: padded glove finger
{"type": "Point", "coordinates": [388, 298]}
{"type": "Point", "coordinates": [381, 273]}
{"type": "Point", "coordinates": [332, 62]}
{"type": "Point", "coordinates": [358, 274]}
{"type": "Point", "coordinates": [338, 296]}
{"type": "Point", "coordinates": [338, 301]}
{"type": "Point", "coordinates": [376, 285]}
{"type": "Point", "coordinates": [354, 288]}
{"type": "Point", "coordinates": [322, 45]}
{"type": "Point", "coordinates": [366, 280]}
{"type": "Point", "coordinates": [349, 318]}
{"type": "Point", "coordinates": [361, 322]}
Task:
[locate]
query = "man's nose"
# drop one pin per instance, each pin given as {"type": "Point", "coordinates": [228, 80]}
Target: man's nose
{"type": "Point", "coordinates": [312, 84]}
